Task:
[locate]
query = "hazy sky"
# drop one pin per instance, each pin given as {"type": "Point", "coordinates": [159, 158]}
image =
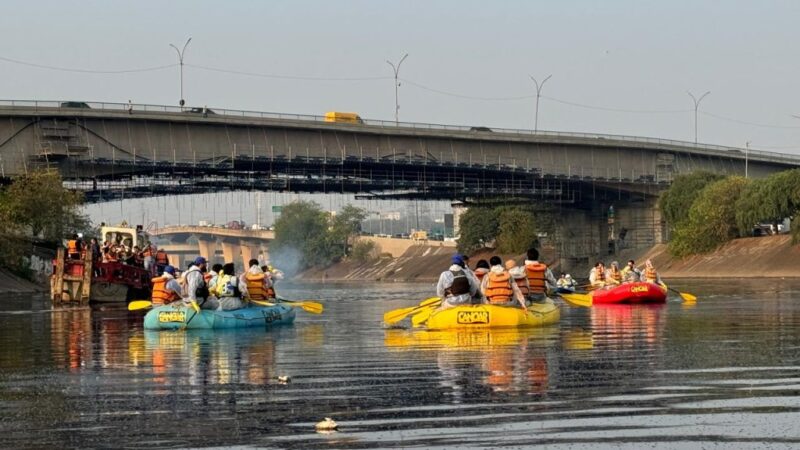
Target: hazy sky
{"type": "Point", "coordinates": [468, 61]}
{"type": "Point", "coordinates": [631, 55]}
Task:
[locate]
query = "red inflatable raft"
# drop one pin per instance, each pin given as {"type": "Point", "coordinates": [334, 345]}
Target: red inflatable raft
{"type": "Point", "coordinates": [639, 292]}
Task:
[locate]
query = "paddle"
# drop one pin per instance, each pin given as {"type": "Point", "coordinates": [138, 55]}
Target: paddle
{"type": "Point", "coordinates": [139, 304]}
{"type": "Point", "coordinates": [582, 300]}
{"type": "Point", "coordinates": [687, 297]}
{"type": "Point", "coordinates": [308, 306]}
{"type": "Point", "coordinates": [396, 315]}
{"type": "Point", "coordinates": [422, 316]}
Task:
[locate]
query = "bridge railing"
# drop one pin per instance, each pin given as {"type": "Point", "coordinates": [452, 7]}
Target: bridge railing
{"type": "Point", "coordinates": [477, 131]}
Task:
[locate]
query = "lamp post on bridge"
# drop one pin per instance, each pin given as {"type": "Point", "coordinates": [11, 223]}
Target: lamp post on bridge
{"type": "Point", "coordinates": [396, 70]}
{"type": "Point", "coordinates": [696, 105]}
{"type": "Point", "coordinates": [538, 94]}
{"type": "Point", "coordinates": [746, 151]}
{"type": "Point", "coordinates": [180, 60]}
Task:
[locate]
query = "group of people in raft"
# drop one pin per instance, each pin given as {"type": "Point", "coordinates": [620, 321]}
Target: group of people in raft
{"type": "Point", "coordinates": [496, 283]}
{"type": "Point", "coordinates": [217, 289]}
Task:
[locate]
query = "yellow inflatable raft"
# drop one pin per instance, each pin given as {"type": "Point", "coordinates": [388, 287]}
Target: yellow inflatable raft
{"type": "Point", "coordinates": [492, 316]}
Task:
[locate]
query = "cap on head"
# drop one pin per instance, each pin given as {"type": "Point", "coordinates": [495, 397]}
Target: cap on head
{"type": "Point", "coordinates": [170, 270]}
{"type": "Point", "coordinates": [199, 260]}
{"type": "Point", "coordinates": [457, 259]}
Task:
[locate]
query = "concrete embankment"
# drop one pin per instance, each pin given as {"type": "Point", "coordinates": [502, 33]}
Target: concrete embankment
{"type": "Point", "coordinates": [768, 256]}
{"type": "Point", "coordinates": [12, 284]}
{"type": "Point", "coordinates": [757, 257]}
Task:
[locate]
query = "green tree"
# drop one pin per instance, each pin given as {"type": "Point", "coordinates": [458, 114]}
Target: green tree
{"type": "Point", "coordinates": [301, 237]}
{"type": "Point", "coordinates": [517, 229]}
{"type": "Point", "coordinates": [365, 251]}
{"type": "Point", "coordinates": [711, 220]}
{"type": "Point", "coordinates": [770, 200]}
{"type": "Point", "coordinates": [38, 205]}
{"type": "Point", "coordinates": [478, 227]}
{"type": "Point", "coordinates": [676, 201]}
{"type": "Point", "coordinates": [345, 226]}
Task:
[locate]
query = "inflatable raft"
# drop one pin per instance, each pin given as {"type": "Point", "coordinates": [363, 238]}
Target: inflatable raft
{"type": "Point", "coordinates": [176, 316]}
{"type": "Point", "coordinates": [492, 316]}
{"type": "Point", "coordinates": [639, 292]}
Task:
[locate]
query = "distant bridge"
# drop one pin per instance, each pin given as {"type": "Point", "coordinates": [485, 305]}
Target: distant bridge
{"type": "Point", "coordinates": [247, 244]}
{"type": "Point", "coordinates": [112, 152]}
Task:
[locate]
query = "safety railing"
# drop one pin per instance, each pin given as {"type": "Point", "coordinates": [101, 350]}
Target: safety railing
{"type": "Point", "coordinates": [737, 152]}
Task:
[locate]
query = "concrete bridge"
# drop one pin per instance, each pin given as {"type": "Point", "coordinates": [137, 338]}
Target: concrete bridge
{"type": "Point", "coordinates": [114, 151]}
{"type": "Point", "coordinates": [239, 246]}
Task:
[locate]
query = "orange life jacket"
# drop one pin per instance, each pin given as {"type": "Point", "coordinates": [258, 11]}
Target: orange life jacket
{"type": "Point", "coordinates": [616, 275]}
{"type": "Point", "coordinates": [522, 284]}
{"type": "Point", "coordinates": [480, 273]}
{"type": "Point", "coordinates": [271, 292]}
{"type": "Point", "coordinates": [255, 286]}
{"type": "Point", "coordinates": [650, 275]}
{"type": "Point", "coordinates": [207, 277]}
{"type": "Point", "coordinates": [161, 257]}
{"type": "Point", "coordinates": [162, 295]}
{"type": "Point", "coordinates": [498, 289]}
{"type": "Point", "coordinates": [536, 277]}
{"type": "Point", "coordinates": [72, 247]}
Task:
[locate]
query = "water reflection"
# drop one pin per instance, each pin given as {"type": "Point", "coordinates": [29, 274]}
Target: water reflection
{"type": "Point", "coordinates": [503, 360]}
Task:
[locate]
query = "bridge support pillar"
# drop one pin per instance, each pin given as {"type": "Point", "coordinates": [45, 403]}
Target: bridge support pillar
{"type": "Point", "coordinates": [459, 209]}
{"type": "Point", "coordinates": [231, 252]}
{"type": "Point", "coordinates": [249, 251]}
{"type": "Point", "coordinates": [208, 249]}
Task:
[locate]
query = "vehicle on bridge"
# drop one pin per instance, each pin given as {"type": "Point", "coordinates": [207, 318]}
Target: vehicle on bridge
{"type": "Point", "coordinates": [346, 117]}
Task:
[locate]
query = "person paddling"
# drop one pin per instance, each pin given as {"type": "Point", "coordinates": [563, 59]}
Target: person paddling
{"type": "Point", "coordinates": [630, 274]}
{"type": "Point", "coordinates": [597, 276]}
{"type": "Point", "coordinates": [650, 275]}
{"type": "Point", "coordinates": [456, 285]}
{"type": "Point", "coordinates": [498, 288]}
{"type": "Point", "coordinates": [540, 277]}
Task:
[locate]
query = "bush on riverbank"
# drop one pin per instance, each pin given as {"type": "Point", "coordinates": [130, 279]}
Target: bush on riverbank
{"type": "Point", "coordinates": [307, 236]}
{"type": "Point", "coordinates": [711, 219]}
{"type": "Point", "coordinates": [36, 207]}
{"type": "Point", "coordinates": [769, 200]}
{"type": "Point", "coordinates": [509, 229]}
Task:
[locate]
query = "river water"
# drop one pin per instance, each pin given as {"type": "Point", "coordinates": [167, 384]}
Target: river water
{"type": "Point", "coordinates": [721, 373]}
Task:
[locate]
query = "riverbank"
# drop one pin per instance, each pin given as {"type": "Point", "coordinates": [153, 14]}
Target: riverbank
{"type": "Point", "coordinates": [756, 257]}
{"type": "Point", "coordinates": [12, 284]}
{"type": "Point", "coordinates": [759, 257]}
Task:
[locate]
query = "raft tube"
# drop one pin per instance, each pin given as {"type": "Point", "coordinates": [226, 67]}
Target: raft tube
{"type": "Point", "coordinates": [638, 292]}
{"type": "Point", "coordinates": [493, 316]}
{"type": "Point", "coordinates": [178, 315]}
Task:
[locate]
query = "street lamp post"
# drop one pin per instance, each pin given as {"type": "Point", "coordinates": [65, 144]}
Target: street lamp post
{"type": "Point", "coordinates": [396, 70]}
{"type": "Point", "coordinates": [696, 105]}
{"type": "Point", "coordinates": [746, 151]}
{"type": "Point", "coordinates": [180, 60]}
{"type": "Point", "coordinates": [538, 94]}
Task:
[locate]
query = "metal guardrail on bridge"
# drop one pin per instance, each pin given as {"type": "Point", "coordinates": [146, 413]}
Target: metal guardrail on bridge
{"type": "Point", "coordinates": [49, 105]}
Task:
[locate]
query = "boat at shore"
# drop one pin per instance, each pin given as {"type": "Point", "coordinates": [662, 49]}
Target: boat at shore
{"type": "Point", "coordinates": [181, 316]}
{"type": "Point", "coordinates": [494, 316]}
{"type": "Point", "coordinates": [638, 292]}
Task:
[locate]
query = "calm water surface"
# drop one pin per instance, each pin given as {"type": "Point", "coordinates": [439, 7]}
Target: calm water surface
{"type": "Point", "coordinates": [723, 373]}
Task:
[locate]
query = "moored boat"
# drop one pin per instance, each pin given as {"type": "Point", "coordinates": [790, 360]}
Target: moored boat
{"type": "Point", "coordinates": [638, 292]}
{"type": "Point", "coordinates": [179, 315]}
{"type": "Point", "coordinates": [494, 316]}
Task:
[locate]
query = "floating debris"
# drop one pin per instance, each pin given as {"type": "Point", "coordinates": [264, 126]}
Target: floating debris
{"type": "Point", "coordinates": [283, 379]}
{"type": "Point", "coordinates": [326, 426]}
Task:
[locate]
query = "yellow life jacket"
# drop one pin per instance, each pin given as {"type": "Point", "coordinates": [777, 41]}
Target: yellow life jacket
{"type": "Point", "coordinates": [616, 275]}
{"type": "Point", "coordinates": [498, 289]}
{"type": "Point", "coordinates": [162, 295]}
{"type": "Point", "coordinates": [650, 274]}
{"type": "Point", "coordinates": [536, 277]}
{"type": "Point", "coordinates": [255, 286]}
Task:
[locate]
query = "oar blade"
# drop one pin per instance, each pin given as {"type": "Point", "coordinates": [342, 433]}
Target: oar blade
{"type": "Point", "coordinates": [396, 315]}
{"type": "Point", "coordinates": [311, 307]}
{"type": "Point", "coordinates": [688, 297]}
{"type": "Point", "coordinates": [139, 304]}
{"type": "Point", "coordinates": [580, 300]}
{"type": "Point", "coordinates": [422, 317]}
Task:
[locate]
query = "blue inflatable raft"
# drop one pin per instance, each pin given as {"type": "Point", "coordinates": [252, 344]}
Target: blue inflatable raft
{"type": "Point", "coordinates": [178, 315]}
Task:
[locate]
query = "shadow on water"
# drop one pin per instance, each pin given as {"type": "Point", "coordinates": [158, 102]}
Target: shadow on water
{"type": "Point", "coordinates": [722, 372]}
